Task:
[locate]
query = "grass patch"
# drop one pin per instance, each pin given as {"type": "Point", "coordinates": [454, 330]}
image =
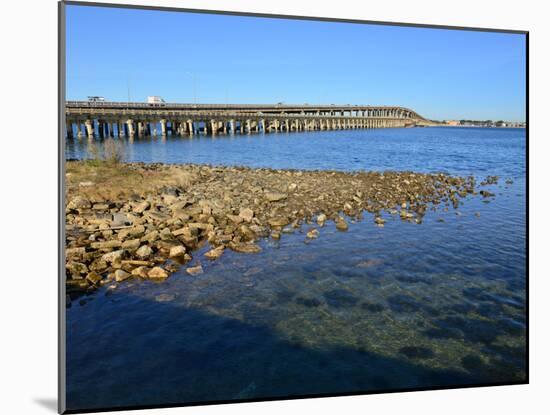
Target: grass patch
{"type": "Point", "coordinates": [98, 179]}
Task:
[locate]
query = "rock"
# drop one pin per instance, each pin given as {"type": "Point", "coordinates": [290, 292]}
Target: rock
{"type": "Point", "coordinates": [379, 221]}
{"type": "Point", "coordinates": [177, 251]}
{"type": "Point", "coordinates": [341, 224]}
{"type": "Point", "coordinates": [196, 270]}
{"type": "Point", "coordinates": [75, 251]}
{"type": "Point", "coordinates": [276, 235]}
{"type": "Point", "coordinates": [245, 248]}
{"type": "Point", "coordinates": [115, 243]}
{"type": "Point", "coordinates": [485, 193]}
{"type": "Point", "coordinates": [321, 219]}
{"type": "Point", "coordinates": [76, 269]}
{"type": "Point", "coordinates": [182, 231]}
{"type": "Point", "coordinates": [141, 207]}
{"type": "Point", "coordinates": [136, 231]}
{"type": "Point", "coordinates": [280, 221]}
{"type": "Point", "coordinates": [79, 202]}
{"type": "Point", "coordinates": [141, 271]}
{"type": "Point", "coordinates": [313, 234]}
{"type": "Point", "coordinates": [369, 263]}
{"type": "Point", "coordinates": [246, 214]}
{"type": "Point", "coordinates": [144, 251]}
{"type": "Point", "coordinates": [131, 244]}
{"type": "Point", "coordinates": [292, 187]}
{"type": "Point", "coordinates": [157, 273]}
{"type": "Point", "coordinates": [234, 218]}
{"type": "Point", "coordinates": [93, 277]}
{"type": "Point", "coordinates": [275, 197]}
{"type": "Point", "coordinates": [161, 298]}
{"type": "Point", "coordinates": [113, 256]}
{"type": "Point", "coordinates": [215, 253]}
{"type": "Point", "coordinates": [150, 236]}
{"type": "Point", "coordinates": [121, 275]}
{"type": "Point", "coordinates": [120, 219]}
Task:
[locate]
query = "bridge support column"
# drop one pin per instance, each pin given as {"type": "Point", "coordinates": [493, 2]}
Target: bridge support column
{"type": "Point", "coordinates": [79, 133]}
{"type": "Point", "coordinates": [163, 127]}
{"type": "Point", "coordinates": [214, 127]}
{"type": "Point", "coordinates": [69, 127]}
{"type": "Point", "coordinates": [130, 126]}
{"type": "Point", "coordinates": [190, 127]}
{"type": "Point", "coordinates": [89, 128]}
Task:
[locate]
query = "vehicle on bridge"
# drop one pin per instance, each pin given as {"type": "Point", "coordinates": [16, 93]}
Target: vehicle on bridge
{"type": "Point", "coordinates": [155, 101]}
{"type": "Point", "coordinates": [96, 99]}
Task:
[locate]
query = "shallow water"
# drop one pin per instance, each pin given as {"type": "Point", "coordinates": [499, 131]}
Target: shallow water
{"type": "Point", "coordinates": [403, 306]}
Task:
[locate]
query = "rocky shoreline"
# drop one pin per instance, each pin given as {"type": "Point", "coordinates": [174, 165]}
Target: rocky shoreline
{"type": "Point", "coordinates": [136, 220]}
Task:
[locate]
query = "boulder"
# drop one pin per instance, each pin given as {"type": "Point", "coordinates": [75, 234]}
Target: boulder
{"type": "Point", "coordinates": [141, 271]}
{"type": "Point", "coordinates": [313, 234]}
{"type": "Point", "coordinates": [341, 224]}
{"type": "Point", "coordinates": [215, 253]}
{"type": "Point", "coordinates": [131, 244]}
{"type": "Point", "coordinates": [150, 236]}
{"type": "Point", "coordinates": [321, 219]}
{"type": "Point", "coordinates": [280, 221]}
{"type": "Point", "coordinates": [275, 197]}
{"type": "Point", "coordinates": [144, 251]}
{"type": "Point", "coordinates": [120, 219]}
{"type": "Point", "coordinates": [177, 251]}
{"type": "Point", "coordinates": [141, 207]}
{"type": "Point", "coordinates": [246, 214]}
{"type": "Point", "coordinates": [79, 202]}
{"type": "Point", "coordinates": [121, 275]}
{"type": "Point", "coordinates": [245, 248]}
{"type": "Point", "coordinates": [113, 256]}
{"type": "Point", "coordinates": [157, 273]}
{"type": "Point", "coordinates": [114, 243]}
{"type": "Point", "coordinates": [93, 277]}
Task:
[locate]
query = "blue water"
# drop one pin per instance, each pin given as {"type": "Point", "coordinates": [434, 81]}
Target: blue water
{"type": "Point", "coordinates": [404, 306]}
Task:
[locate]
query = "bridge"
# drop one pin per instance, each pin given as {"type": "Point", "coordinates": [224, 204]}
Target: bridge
{"type": "Point", "coordinates": [128, 119]}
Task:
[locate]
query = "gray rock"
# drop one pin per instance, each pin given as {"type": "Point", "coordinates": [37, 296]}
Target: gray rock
{"type": "Point", "coordinates": [144, 251]}
{"type": "Point", "coordinates": [121, 275]}
{"type": "Point", "coordinates": [113, 256]}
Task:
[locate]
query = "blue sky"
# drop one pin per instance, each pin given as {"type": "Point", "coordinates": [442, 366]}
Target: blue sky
{"type": "Point", "coordinates": [183, 57]}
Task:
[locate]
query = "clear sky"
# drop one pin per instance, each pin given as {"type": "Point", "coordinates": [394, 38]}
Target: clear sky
{"type": "Point", "coordinates": [187, 57]}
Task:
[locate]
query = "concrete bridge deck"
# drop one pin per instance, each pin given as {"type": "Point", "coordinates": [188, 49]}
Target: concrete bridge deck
{"type": "Point", "coordinates": [125, 119]}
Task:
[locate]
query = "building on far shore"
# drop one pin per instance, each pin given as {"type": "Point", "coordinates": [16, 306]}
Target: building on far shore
{"type": "Point", "coordinates": [452, 122]}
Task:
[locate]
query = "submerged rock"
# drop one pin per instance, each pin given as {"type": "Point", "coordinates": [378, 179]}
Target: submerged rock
{"type": "Point", "coordinates": [313, 234]}
{"type": "Point", "coordinates": [215, 253]}
{"type": "Point", "coordinates": [341, 224]}
{"type": "Point", "coordinates": [196, 270]}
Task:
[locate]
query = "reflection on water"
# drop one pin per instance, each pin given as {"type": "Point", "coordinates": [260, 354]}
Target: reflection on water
{"type": "Point", "coordinates": [442, 303]}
